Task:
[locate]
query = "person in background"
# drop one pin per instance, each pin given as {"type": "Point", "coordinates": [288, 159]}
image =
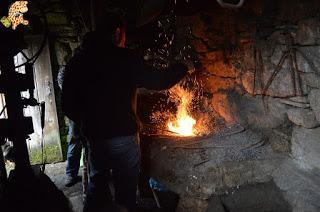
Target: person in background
{"type": "Point", "coordinates": [73, 155]}
{"type": "Point", "coordinates": [74, 148]}
{"type": "Point", "coordinates": [100, 94]}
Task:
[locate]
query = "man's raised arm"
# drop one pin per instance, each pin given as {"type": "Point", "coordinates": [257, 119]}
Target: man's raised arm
{"type": "Point", "coordinates": [150, 78]}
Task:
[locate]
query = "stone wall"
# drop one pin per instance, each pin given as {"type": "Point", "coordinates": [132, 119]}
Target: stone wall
{"type": "Point", "coordinates": [241, 50]}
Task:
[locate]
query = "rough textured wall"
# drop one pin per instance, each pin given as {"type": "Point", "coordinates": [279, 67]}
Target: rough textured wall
{"type": "Point", "coordinates": [239, 51]}
{"type": "Point", "coordinates": [261, 65]}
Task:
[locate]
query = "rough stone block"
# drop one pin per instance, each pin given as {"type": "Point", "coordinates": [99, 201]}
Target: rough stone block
{"type": "Point", "coordinates": [250, 198]}
{"type": "Point", "coordinates": [314, 98]}
{"type": "Point", "coordinates": [278, 37]}
{"type": "Point", "coordinates": [311, 54]}
{"type": "Point", "coordinates": [303, 117]}
{"type": "Point", "coordinates": [311, 79]}
{"type": "Point", "coordinates": [281, 86]}
{"type": "Point", "coordinates": [221, 69]}
{"type": "Point", "coordinates": [303, 62]}
{"type": "Point", "coordinates": [258, 113]}
{"type": "Point", "coordinates": [222, 105]}
{"type": "Point", "coordinates": [308, 32]}
{"type": "Point", "coordinates": [301, 188]}
{"type": "Point", "coordinates": [214, 84]}
{"type": "Point", "coordinates": [306, 147]}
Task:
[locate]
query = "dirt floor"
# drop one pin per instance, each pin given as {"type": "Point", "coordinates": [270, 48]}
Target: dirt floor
{"type": "Point", "coordinates": [56, 172]}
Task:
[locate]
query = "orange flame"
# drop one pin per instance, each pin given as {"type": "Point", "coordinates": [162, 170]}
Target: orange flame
{"type": "Point", "coordinates": [183, 123]}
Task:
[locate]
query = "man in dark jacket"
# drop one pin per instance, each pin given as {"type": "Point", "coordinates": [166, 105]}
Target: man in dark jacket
{"type": "Point", "coordinates": [100, 94]}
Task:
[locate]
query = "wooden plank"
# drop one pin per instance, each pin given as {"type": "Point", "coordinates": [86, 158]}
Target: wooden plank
{"type": "Point", "coordinates": [44, 92]}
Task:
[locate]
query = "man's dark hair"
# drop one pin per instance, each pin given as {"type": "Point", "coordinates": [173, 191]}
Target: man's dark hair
{"type": "Point", "coordinates": [110, 21]}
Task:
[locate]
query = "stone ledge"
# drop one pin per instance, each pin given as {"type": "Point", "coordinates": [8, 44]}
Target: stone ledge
{"type": "Point", "coordinates": [303, 117]}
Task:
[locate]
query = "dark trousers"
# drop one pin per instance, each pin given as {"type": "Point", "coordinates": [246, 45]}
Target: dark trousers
{"type": "Point", "coordinates": [74, 150]}
{"type": "Point", "coordinates": [122, 155]}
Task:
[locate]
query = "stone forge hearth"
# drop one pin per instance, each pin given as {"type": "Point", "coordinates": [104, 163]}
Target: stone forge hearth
{"type": "Point", "coordinates": [260, 84]}
{"type": "Point", "coordinates": [204, 170]}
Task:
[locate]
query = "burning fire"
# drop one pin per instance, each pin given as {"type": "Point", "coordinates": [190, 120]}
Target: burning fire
{"type": "Point", "coordinates": [190, 119]}
{"type": "Point", "coordinates": [183, 124]}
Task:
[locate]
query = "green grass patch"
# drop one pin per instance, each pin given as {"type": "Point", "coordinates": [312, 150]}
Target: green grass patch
{"type": "Point", "coordinates": [51, 154]}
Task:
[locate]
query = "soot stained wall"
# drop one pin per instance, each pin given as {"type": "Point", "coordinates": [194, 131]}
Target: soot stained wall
{"type": "Point", "coordinates": [240, 50]}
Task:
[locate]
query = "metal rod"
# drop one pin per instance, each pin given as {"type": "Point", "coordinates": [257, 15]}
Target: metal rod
{"type": "Point", "coordinates": [156, 198]}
